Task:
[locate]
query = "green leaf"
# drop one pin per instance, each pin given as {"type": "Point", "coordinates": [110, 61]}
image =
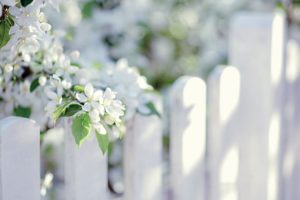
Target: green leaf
{"type": "Point", "coordinates": [10, 20]}
{"type": "Point", "coordinates": [22, 111]}
{"type": "Point", "coordinates": [25, 3]}
{"type": "Point", "coordinates": [103, 142]}
{"type": "Point", "coordinates": [66, 110]}
{"type": "Point", "coordinates": [110, 148]}
{"type": "Point", "coordinates": [97, 65]}
{"type": "Point", "coordinates": [71, 109]}
{"type": "Point", "coordinates": [78, 88]}
{"type": "Point", "coordinates": [87, 10]}
{"type": "Point", "coordinates": [281, 6]}
{"type": "Point", "coordinates": [81, 128]}
{"type": "Point", "coordinates": [75, 64]}
{"type": "Point", "coordinates": [58, 112]}
{"type": "Point", "coordinates": [34, 84]}
{"type": "Point", "coordinates": [152, 109]}
{"type": "Point", "coordinates": [69, 36]}
{"type": "Point", "coordinates": [5, 26]}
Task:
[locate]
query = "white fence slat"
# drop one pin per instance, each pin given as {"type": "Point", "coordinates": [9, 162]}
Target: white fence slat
{"type": "Point", "coordinates": [222, 143]}
{"type": "Point", "coordinates": [291, 163]}
{"type": "Point", "coordinates": [19, 159]}
{"type": "Point", "coordinates": [187, 138]}
{"type": "Point", "coordinates": [85, 169]}
{"type": "Point", "coordinates": [143, 157]}
{"type": "Point", "coordinates": [256, 48]}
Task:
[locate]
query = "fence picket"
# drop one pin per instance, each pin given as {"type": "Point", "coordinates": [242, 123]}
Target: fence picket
{"type": "Point", "coordinates": [143, 157]}
{"type": "Point", "coordinates": [19, 159]}
{"type": "Point", "coordinates": [257, 49]}
{"type": "Point", "coordinates": [187, 142]}
{"type": "Point", "coordinates": [291, 162]}
{"type": "Point", "coordinates": [222, 142]}
{"type": "Point", "coordinates": [85, 169]}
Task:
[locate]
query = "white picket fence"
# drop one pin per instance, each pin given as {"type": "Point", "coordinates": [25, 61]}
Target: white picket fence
{"type": "Point", "coordinates": [236, 137]}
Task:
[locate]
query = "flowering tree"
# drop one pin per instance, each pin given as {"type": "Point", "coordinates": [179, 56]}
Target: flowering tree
{"type": "Point", "coordinates": [165, 39]}
{"type": "Point", "coordinates": [42, 81]}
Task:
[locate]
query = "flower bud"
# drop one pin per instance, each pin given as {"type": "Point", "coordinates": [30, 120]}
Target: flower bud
{"type": "Point", "coordinates": [8, 68]}
{"type": "Point", "coordinates": [45, 27]}
{"type": "Point", "coordinates": [75, 54]}
{"type": "Point", "coordinates": [66, 84]}
{"type": "Point", "coordinates": [42, 80]}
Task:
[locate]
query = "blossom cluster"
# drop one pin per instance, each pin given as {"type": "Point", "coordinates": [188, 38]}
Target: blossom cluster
{"type": "Point", "coordinates": [41, 80]}
{"type": "Point", "coordinates": [129, 85]}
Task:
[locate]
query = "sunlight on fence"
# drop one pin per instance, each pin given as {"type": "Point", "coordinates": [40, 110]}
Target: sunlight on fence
{"type": "Point", "coordinates": [229, 93]}
{"type": "Point", "coordinates": [188, 129]}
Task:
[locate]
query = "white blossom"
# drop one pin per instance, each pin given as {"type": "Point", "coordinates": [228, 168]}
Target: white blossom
{"type": "Point", "coordinates": [128, 83]}
{"type": "Point", "coordinates": [42, 80]}
{"type": "Point", "coordinates": [55, 99]}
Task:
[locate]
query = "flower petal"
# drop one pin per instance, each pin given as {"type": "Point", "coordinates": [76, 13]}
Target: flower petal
{"type": "Point", "coordinates": [98, 95]}
{"type": "Point", "coordinates": [94, 115]}
{"type": "Point", "coordinates": [100, 129]}
{"type": "Point", "coordinates": [89, 90]}
{"type": "Point", "coordinates": [52, 95]}
{"type": "Point", "coordinates": [86, 107]}
{"type": "Point", "coordinates": [81, 97]}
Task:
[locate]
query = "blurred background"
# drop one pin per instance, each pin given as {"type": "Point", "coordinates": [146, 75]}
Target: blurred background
{"type": "Point", "coordinates": [165, 39]}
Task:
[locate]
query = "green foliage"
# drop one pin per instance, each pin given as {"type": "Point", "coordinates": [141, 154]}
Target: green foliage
{"type": "Point", "coordinates": [166, 141]}
{"type": "Point", "coordinates": [281, 6]}
{"type": "Point", "coordinates": [161, 79]}
{"type": "Point", "coordinates": [22, 111]}
{"type": "Point", "coordinates": [152, 110]}
{"type": "Point", "coordinates": [296, 2]}
{"type": "Point", "coordinates": [69, 36]}
{"type": "Point", "coordinates": [58, 112]}
{"type": "Point", "coordinates": [110, 148]}
{"type": "Point", "coordinates": [81, 128]}
{"type": "Point", "coordinates": [5, 26]}
{"type": "Point", "coordinates": [71, 110]}
{"type": "Point", "coordinates": [25, 3]}
{"type": "Point", "coordinates": [78, 88]}
{"type": "Point", "coordinates": [75, 64]}
{"type": "Point", "coordinates": [87, 9]}
{"type": "Point", "coordinates": [34, 84]}
{"type": "Point", "coordinates": [66, 110]}
{"type": "Point", "coordinates": [103, 142]}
